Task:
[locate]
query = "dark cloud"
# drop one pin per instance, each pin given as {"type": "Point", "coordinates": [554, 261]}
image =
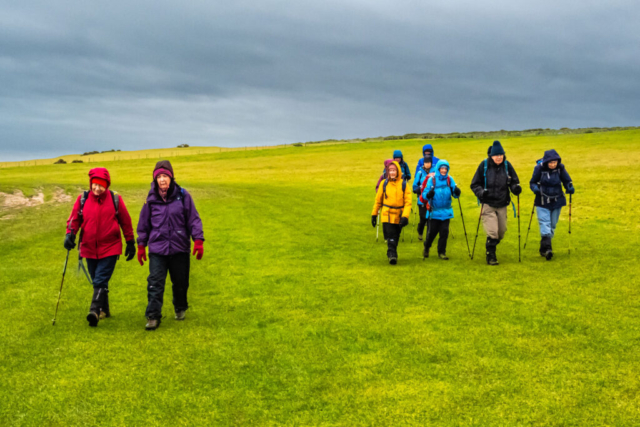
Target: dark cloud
{"type": "Point", "coordinates": [80, 76]}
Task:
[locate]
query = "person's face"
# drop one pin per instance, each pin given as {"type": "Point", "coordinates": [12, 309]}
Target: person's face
{"type": "Point", "coordinates": [393, 172]}
{"type": "Point", "coordinates": [163, 181]}
{"type": "Point", "coordinates": [398, 159]}
{"type": "Point", "coordinates": [498, 159]}
{"type": "Point", "coordinates": [427, 166]}
{"type": "Point", "coordinates": [443, 170]}
{"type": "Point", "coordinates": [553, 164]}
{"type": "Point", "coordinates": [97, 189]}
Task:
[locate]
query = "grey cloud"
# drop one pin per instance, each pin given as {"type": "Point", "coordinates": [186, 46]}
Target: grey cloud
{"type": "Point", "coordinates": [79, 76]}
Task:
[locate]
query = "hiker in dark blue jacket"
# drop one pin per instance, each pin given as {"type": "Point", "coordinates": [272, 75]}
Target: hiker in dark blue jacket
{"type": "Point", "coordinates": [549, 176]}
{"type": "Point", "coordinates": [406, 173]}
{"type": "Point", "coordinates": [439, 190]}
{"type": "Point", "coordinates": [427, 152]}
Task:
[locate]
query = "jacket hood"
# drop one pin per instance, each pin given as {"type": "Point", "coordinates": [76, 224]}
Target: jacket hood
{"type": "Point", "coordinates": [427, 147]}
{"type": "Point", "coordinates": [549, 156]}
{"type": "Point", "coordinates": [164, 164]}
{"type": "Point", "coordinates": [398, 153]}
{"type": "Point", "coordinates": [393, 162]}
{"type": "Point", "coordinates": [439, 165]}
{"type": "Point", "coordinates": [101, 173]}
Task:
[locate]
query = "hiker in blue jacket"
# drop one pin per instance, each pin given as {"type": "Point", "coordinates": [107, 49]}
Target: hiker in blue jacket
{"type": "Point", "coordinates": [418, 184]}
{"type": "Point", "coordinates": [549, 176]}
{"type": "Point", "coordinates": [438, 192]}
{"type": "Point", "coordinates": [405, 172]}
{"type": "Point", "coordinates": [427, 152]}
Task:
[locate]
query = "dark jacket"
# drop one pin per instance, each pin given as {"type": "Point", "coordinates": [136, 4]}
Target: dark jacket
{"type": "Point", "coordinates": [547, 183]}
{"type": "Point", "coordinates": [434, 160]}
{"type": "Point", "coordinates": [167, 226]}
{"type": "Point", "coordinates": [498, 183]}
{"type": "Point", "coordinates": [100, 227]}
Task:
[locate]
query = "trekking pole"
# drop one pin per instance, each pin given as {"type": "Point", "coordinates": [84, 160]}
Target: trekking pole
{"type": "Point", "coordinates": [464, 228]}
{"type": "Point", "coordinates": [528, 229]}
{"type": "Point", "coordinates": [377, 227]}
{"type": "Point", "coordinates": [519, 251]}
{"type": "Point", "coordinates": [61, 283]}
{"type": "Point", "coordinates": [477, 231]}
{"type": "Point", "coordinates": [570, 197]}
{"type": "Point", "coordinates": [414, 224]}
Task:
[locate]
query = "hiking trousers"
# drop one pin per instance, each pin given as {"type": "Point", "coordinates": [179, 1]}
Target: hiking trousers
{"type": "Point", "coordinates": [438, 227]}
{"type": "Point", "coordinates": [391, 234]}
{"type": "Point", "coordinates": [548, 219]}
{"type": "Point", "coordinates": [178, 267]}
{"type": "Point", "coordinates": [422, 210]}
{"type": "Point", "coordinates": [494, 221]}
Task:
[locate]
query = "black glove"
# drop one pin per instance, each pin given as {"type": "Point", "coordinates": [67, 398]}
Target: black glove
{"type": "Point", "coordinates": [70, 241]}
{"type": "Point", "coordinates": [130, 251]}
{"type": "Point", "coordinates": [571, 189]}
{"type": "Point", "coordinates": [431, 193]}
{"type": "Point", "coordinates": [536, 190]}
{"type": "Point", "coordinates": [517, 190]}
{"type": "Point", "coordinates": [374, 220]}
{"type": "Point", "coordinates": [457, 192]}
{"type": "Point", "coordinates": [404, 221]}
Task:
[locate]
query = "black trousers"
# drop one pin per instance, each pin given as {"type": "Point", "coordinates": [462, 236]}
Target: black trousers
{"type": "Point", "coordinates": [422, 210]}
{"type": "Point", "coordinates": [178, 267]}
{"type": "Point", "coordinates": [392, 236]}
{"type": "Point", "coordinates": [438, 227]}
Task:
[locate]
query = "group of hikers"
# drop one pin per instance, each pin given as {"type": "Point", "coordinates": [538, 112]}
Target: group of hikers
{"type": "Point", "coordinates": [494, 181]}
{"type": "Point", "coordinates": [168, 221]}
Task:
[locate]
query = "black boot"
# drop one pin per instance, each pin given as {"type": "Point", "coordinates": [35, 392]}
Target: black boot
{"type": "Point", "coordinates": [548, 250]}
{"type": "Point", "coordinates": [491, 251]}
{"type": "Point", "coordinates": [543, 252]}
{"type": "Point", "coordinates": [392, 252]}
{"type": "Point", "coordinates": [105, 311]}
{"type": "Point", "coordinates": [97, 302]}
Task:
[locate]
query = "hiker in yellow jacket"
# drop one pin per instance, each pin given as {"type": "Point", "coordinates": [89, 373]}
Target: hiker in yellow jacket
{"type": "Point", "coordinates": [395, 200]}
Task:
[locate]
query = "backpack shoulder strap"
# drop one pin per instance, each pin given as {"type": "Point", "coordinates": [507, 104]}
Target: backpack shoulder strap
{"type": "Point", "coordinates": [485, 173]}
{"type": "Point", "coordinates": [83, 200]}
{"type": "Point", "coordinates": [116, 201]}
{"type": "Point", "coordinates": [404, 186]}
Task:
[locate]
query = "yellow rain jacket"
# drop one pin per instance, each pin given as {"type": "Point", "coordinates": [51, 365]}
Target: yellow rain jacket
{"type": "Point", "coordinates": [394, 203]}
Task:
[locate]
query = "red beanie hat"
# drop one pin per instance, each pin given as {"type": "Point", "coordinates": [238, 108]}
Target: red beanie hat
{"type": "Point", "coordinates": [100, 181]}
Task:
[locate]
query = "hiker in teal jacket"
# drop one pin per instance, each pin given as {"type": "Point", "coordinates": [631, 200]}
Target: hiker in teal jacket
{"type": "Point", "coordinates": [438, 192]}
{"type": "Point", "coordinates": [423, 173]}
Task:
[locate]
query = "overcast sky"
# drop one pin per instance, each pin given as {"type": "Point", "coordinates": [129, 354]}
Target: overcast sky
{"type": "Point", "coordinates": [85, 75]}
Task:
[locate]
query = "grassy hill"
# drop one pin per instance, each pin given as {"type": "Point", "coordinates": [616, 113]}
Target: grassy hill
{"type": "Point", "coordinates": [297, 319]}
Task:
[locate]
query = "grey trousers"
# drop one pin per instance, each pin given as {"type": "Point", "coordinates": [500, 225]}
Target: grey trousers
{"type": "Point", "coordinates": [494, 221]}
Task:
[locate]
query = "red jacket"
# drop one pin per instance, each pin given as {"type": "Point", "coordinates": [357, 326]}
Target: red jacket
{"type": "Point", "coordinates": [101, 229]}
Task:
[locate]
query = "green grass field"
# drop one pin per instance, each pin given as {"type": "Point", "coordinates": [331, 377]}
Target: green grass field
{"type": "Point", "coordinates": [297, 319]}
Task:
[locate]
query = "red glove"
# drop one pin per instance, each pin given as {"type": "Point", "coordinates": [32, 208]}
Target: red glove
{"type": "Point", "coordinates": [198, 250]}
{"type": "Point", "coordinates": [142, 254]}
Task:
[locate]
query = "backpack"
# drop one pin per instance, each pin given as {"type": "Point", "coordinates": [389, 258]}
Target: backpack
{"type": "Point", "coordinates": [83, 200]}
{"type": "Point", "coordinates": [542, 195]}
{"type": "Point", "coordinates": [386, 181]}
{"type": "Point", "coordinates": [424, 185]}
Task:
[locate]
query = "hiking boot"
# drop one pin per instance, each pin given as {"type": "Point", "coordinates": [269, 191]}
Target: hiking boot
{"type": "Point", "coordinates": [549, 253]}
{"type": "Point", "coordinates": [425, 253]}
{"type": "Point", "coordinates": [104, 310]}
{"type": "Point", "coordinates": [393, 260]}
{"type": "Point", "coordinates": [93, 318]}
{"type": "Point", "coordinates": [443, 257]}
{"type": "Point", "coordinates": [419, 236]}
{"type": "Point", "coordinates": [545, 248]}
{"type": "Point", "coordinates": [180, 315]}
{"type": "Point", "coordinates": [152, 324]}
{"type": "Point", "coordinates": [492, 259]}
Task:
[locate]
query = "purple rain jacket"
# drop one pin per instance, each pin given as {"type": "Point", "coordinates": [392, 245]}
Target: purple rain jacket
{"type": "Point", "coordinates": [166, 227]}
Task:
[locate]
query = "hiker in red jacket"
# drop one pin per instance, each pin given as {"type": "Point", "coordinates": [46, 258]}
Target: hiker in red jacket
{"type": "Point", "coordinates": [98, 215]}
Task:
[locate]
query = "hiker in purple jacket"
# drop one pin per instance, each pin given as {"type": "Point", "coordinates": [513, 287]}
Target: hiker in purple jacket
{"type": "Point", "coordinates": [168, 222]}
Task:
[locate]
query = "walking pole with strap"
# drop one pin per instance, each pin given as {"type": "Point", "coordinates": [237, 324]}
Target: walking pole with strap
{"type": "Point", "coordinates": [477, 231]}
{"type": "Point", "coordinates": [464, 228]}
{"type": "Point", "coordinates": [570, 200]}
{"type": "Point", "coordinates": [60, 291]}
{"type": "Point", "coordinates": [430, 213]}
{"type": "Point", "coordinates": [528, 229]}
{"type": "Point", "coordinates": [414, 223]}
{"type": "Point", "coordinates": [519, 251]}
{"type": "Point", "coordinates": [377, 227]}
